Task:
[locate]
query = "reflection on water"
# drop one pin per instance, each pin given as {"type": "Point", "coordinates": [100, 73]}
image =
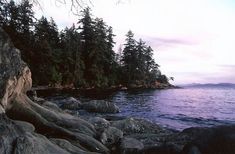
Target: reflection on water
{"type": "Point", "coordinates": [180, 108]}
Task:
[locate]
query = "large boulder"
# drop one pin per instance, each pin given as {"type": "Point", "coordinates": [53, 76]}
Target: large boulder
{"type": "Point", "coordinates": [111, 136]}
{"type": "Point", "coordinates": [100, 106]}
{"type": "Point", "coordinates": [215, 140]}
{"type": "Point", "coordinates": [15, 76]}
{"type": "Point", "coordinates": [70, 104]}
{"type": "Point", "coordinates": [100, 124]}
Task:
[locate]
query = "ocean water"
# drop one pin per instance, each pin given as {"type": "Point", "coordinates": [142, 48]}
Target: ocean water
{"type": "Point", "coordinates": [180, 108]}
{"type": "Point", "coordinates": [173, 108]}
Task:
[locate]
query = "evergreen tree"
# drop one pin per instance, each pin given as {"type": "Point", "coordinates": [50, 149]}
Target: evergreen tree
{"type": "Point", "coordinates": [12, 24]}
{"type": "Point", "coordinates": [111, 66]}
{"type": "Point", "coordinates": [141, 62]}
{"type": "Point", "coordinates": [88, 41]}
{"type": "Point", "coordinates": [83, 57]}
{"type": "Point", "coordinates": [99, 58]}
{"type": "Point", "coordinates": [46, 51]}
{"type": "Point", "coordinates": [151, 68]}
{"type": "Point", "coordinates": [129, 59]}
{"type": "Point", "coordinates": [25, 33]}
{"type": "Point", "coordinates": [72, 65]}
{"type": "Point", "coordinates": [53, 34]}
{"type": "Point", "coordinates": [26, 16]}
{"type": "Point", "coordinates": [138, 64]}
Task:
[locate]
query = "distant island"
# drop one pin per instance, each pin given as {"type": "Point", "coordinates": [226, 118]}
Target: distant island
{"type": "Point", "coordinates": [204, 85]}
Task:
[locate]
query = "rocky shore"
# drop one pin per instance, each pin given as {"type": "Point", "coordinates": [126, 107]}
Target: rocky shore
{"type": "Point", "coordinates": [134, 135]}
{"type": "Point", "coordinates": [35, 125]}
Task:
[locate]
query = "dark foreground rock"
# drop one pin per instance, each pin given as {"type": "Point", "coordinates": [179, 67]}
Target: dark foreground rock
{"type": "Point", "coordinates": [100, 106]}
{"type": "Point", "coordinates": [20, 138]}
{"type": "Point", "coordinates": [131, 146]}
{"type": "Point", "coordinates": [66, 145]}
{"type": "Point", "coordinates": [215, 140]}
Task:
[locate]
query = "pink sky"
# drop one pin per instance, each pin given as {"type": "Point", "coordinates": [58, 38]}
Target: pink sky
{"type": "Point", "coordinates": [193, 40]}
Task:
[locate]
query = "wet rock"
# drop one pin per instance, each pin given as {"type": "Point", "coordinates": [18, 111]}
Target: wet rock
{"type": "Point", "coordinates": [70, 104]}
{"type": "Point", "coordinates": [132, 125]}
{"type": "Point", "coordinates": [131, 146]}
{"type": "Point", "coordinates": [114, 117]}
{"type": "Point", "coordinates": [100, 106]}
{"type": "Point", "coordinates": [111, 136]}
{"type": "Point", "coordinates": [100, 124]}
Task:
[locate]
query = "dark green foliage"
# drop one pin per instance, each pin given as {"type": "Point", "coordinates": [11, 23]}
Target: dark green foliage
{"type": "Point", "coordinates": [46, 52]}
{"type": "Point", "coordinates": [72, 67]}
{"type": "Point", "coordinates": [97, 52]}
{"type": "Point", "coordinates": [80, 56]}
{"type": "Point", "coordinates": [139, 67]}
{"type": "Point", "coordinates": [163, 79]}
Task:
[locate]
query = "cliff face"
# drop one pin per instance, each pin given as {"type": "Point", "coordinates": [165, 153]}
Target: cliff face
{"type": "Point", "coordinates": [15, 80]}
{"type": "Point", "coordinates": [15, 77]}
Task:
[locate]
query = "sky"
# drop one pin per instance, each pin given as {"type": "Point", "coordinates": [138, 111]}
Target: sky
{"type": "Point", "coordinates": [193, 40]}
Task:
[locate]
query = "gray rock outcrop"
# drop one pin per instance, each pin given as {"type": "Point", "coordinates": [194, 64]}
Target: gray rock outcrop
{"type": "Point", "coordinates": [15, 76]}
{"type": "Point", "coordinates": [70, 104]}
{"type": "Point", "coordinates": [100, 106]}
{"type": "Point", "coordinates": [133, 125]}
{"type": "Point", "coordinates": [111, 136]}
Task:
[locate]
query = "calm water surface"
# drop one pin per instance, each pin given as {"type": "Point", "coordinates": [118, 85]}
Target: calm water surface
{"type": "Point", "coordinates": [180, 108]}
{"type": "Point", "coordinates": [176, 108]}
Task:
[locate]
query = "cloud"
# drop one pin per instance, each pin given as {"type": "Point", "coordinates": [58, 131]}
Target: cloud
{"type": "Point", "coordinates": [232, 67]}
{"type": "Point", "coordinates": [181, 41]}
{"type": "Point", "coordinates": [161, 42]}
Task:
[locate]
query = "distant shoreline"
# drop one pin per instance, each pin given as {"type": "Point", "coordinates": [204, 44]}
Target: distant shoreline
{"type": "Point", "coordinates": [48, 91]}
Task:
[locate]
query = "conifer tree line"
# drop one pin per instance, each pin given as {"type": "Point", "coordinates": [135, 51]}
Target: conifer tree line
{"type": "Point", "coordinates": [81, 55]}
